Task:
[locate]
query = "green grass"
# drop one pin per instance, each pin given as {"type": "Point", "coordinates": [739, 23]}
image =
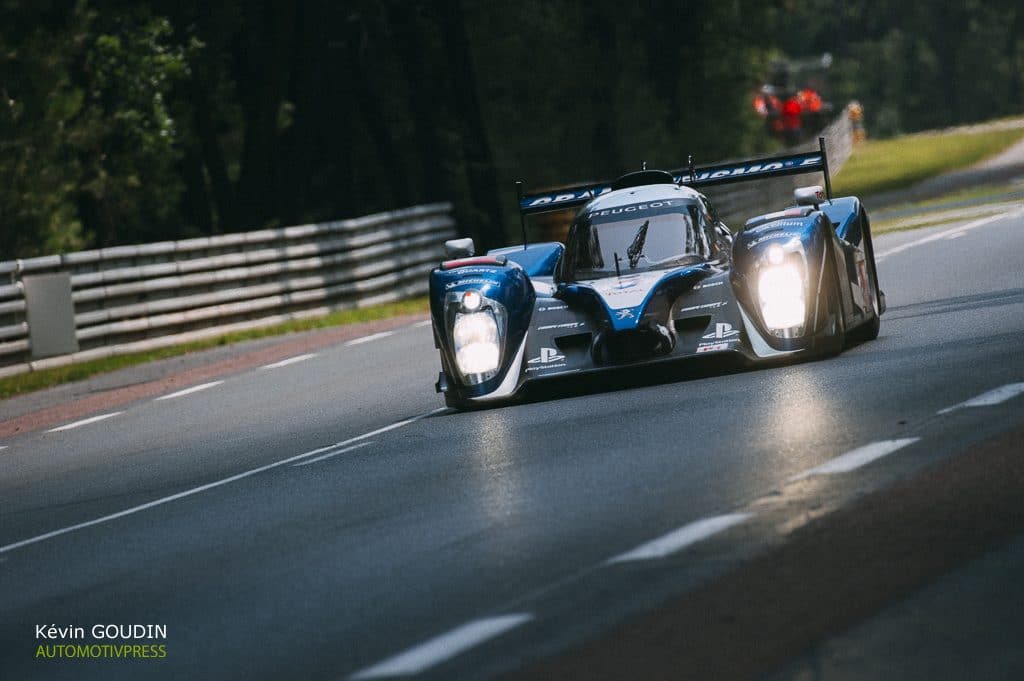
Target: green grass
{"type": "Point", "coordinates": [45, 378]}
{"type": "Point", "coordinates": [897, 226]}
{"type": "Point", "coordinates": [884, 165]}
{"type": "Point", "coordinates": [995, 192]}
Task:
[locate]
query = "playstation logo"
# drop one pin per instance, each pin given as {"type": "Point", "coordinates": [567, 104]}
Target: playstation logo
{"type": "Point", "coordinates": [723, 330]}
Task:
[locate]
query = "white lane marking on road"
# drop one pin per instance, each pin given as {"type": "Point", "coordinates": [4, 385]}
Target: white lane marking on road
{"type": "Point", "coordinates": [385, 429]}
{"type": "Point", "coordinates": [856, 458]}
{"type": "Point", "coordinates": [679, 539]}
{"type": "Point", "coordinates": [211, 485]}
{"type": "Point", "coordinates": [955, 235]}
{"type": "Point", "coordinates": [3, 446]}
{"type": "Point", "coordinates": [290, 360]}
{"type": "Point", "coordinates": [84, 422]}
{"type": "Point", "coordinates": [441, 648]}
{"type": "Point", "coordinates": [330, 454]}
{"type": "Point", "coordinates": [942, 235]}
{"type": "Point", "coordinates": [189, 391]}
{"type": "Point", "coordinates": [992, 397]}
{"type": "Point", "coordinates": [371, 337]}
{"type": "Point", "coordinates": [425, 322]}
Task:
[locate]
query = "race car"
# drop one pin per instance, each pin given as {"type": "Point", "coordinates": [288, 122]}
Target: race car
{"type": "Point", "coordinates": [649, 274]}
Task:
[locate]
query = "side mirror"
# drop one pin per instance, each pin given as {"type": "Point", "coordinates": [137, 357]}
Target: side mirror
{"type": "Point", "coordinates": [723, 231]}
{"type": "Point", "coordinates": [809, 196]}
{"type": "Point", "coordinates": [459, 248]}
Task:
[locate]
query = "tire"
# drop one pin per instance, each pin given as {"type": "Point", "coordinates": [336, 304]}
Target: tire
{"type": "Point", "coordinates": [454, 402]}
{"type": "Point", "coordinates": [835, 343]}
{"type": "Point", "coordinates": [869, 330]}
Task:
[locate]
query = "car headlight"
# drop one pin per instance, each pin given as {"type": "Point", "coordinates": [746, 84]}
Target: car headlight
{"type": "Point", "coordinates": [781, 292]}
{"type": "Point", "coordinates": [477, 333]}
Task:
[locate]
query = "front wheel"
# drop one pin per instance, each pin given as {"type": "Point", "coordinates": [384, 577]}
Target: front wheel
{"type": "Point", "coordinates": [869, 330]}
{"type": "Point", "coordinates": [835, 338]}
{"type": "Point", "coordinates": [453, 402]}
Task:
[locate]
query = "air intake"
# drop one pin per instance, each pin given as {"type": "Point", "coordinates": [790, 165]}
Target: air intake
{"type": "Point", "coordinates": [643, 177]}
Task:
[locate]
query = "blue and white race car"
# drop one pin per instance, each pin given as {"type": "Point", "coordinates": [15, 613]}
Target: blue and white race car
{"type": "Point", "coordinates": [649, 274]}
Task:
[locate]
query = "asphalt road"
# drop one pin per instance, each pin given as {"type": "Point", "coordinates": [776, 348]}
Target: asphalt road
{"type": "Point", "coordinates": [324, 519]}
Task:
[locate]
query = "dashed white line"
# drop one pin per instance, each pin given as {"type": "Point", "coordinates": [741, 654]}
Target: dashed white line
{"type": "Point", "coordinates": [330, 454]}
{"type": "Point", "coordinates": [290, 360]}
{"type": "Point", "coordinates": [371, 337]}
{"type": "Point", "coordinates": [3, 446]}
{"type": "Point", "coordinates": [992, 397]}
{"type": "Point", "coordinates": [425, 322]}
{"type": "Point", "coordinates": [203, 488]}
{"type": "Point", "coordinates": [189, 391]}
{"type": "Point", "coordinates": [443, 647]}
{"type": "Point", "coordinates": [84, 422]}
{"type": "Point", "coordinates": [861, 456]}
{"type": "Point", "coordinates": [945, 234]}
{"type": "Point", "coordinates": [955, 235]}
{"type": "Point", "coordinates": [679, 539]}
{"type": "Point", "coordinates": [382, 430]}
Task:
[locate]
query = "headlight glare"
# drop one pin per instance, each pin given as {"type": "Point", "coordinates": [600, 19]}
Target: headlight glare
{"type": "Point", "coordinates": [471, 301]}
{"type": "Point", "coordinates": [780, 289]}
{"type": "Point", "coordinates": [475, 339]}
{"type": "Point", "coordinates": [477, 330]}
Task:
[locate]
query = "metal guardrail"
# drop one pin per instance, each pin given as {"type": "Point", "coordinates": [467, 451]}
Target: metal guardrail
{"type": "Point", "coordinates": [136, 298]}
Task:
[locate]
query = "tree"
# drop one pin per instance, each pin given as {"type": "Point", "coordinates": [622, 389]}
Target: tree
{"type": "Point", "coordinates": [89, 146]}
{"type": "Point", "coordinates": [484, 213]}
{"type": "Point", "coordinates": [39, 103]}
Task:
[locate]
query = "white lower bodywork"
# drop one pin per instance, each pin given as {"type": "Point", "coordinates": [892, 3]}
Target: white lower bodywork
{"type": "Point", "coordinates": [757, 342]}
{"type": "Point", "coordinates": [511, 382]}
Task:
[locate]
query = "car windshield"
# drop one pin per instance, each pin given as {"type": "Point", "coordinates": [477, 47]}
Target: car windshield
{"type": "Point", "coordinates": [655, 235]}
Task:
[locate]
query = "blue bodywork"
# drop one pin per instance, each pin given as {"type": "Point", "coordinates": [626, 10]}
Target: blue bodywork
{"type": "Point", "coordinates": [557, 328]}
{"type": "Point", "coordinates": [537, 260]}
{"type": "Point", "coordinates": [671, 284]}
{"type": "Point", "coordinates": [507, 284]}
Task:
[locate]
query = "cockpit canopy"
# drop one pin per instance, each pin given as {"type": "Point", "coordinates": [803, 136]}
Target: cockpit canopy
{"type": "Point", "coordinates": [652, 235]}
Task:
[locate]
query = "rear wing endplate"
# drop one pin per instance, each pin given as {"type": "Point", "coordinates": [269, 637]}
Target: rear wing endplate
{"type": "Point", "coordinates": [699, 176]}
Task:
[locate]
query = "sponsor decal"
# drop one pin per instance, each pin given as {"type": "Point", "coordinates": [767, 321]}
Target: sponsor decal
{"type": "Point", "coordinates": [740, 170]}
{"type": "Point", "coordinates": [723, 330]}
{"type": "Point", "coordinates": [708, 285]}
{"type": "Point", "coordinates": [549, 359]}
{"type": "Point", "coordinates": [464, 282]}
{"type": "Point", "coordinates": [567, 325]}
{"type": "Point", "coordinates": [635, 208]}
{"type": "Point", "coordinates": [705, 306]}
{"type": "Point", "coordinates": [574, 195]}
{"type": "Point", "coordinates": [626, 313]}
{"type": "Point", "coordinates": [481, 270]}
{"type": "Point", "coordinates": [565, 197]}
{"type": "Point", "coordinates": [769, 237]}
{"type": "Point", "coordinates": [711, 347]}
{"type": "Point", "coordinates": [778, 224]}
{"type": "Point", "coordinates": [552, 308]}
{"type": "Point", "coordinates": [547, 355]}
{"type": "Point", "coordinates": [756, 168]}
{"type": "Point", "coordinates": [624, 285]}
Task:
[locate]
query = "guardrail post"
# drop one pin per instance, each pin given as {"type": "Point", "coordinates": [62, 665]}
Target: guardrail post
{"type": "Point", "coordinates": [50, 313]}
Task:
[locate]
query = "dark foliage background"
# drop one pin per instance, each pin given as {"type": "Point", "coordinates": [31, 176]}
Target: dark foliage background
{"type": "Point", "coordinates": [126, 122]}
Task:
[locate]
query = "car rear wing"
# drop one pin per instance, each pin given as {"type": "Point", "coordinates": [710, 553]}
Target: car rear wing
{"type": "Point", "coordinates": [692, 176]}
